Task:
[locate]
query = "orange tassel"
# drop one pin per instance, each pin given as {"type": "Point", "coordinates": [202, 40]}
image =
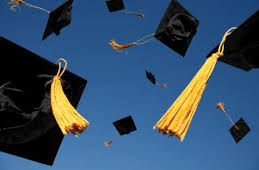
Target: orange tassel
{"type": "Point", "coordinates": [140, 15]}
{"type": "Point", "coordinates": [162, 85]}
{"type": "Point", "coordinates": [220, 106]}
{"type": "Point", "coordinates": [120, 47]}
{"type": "Point", "coordinates": [108, 143]}
{"type": "Point", "coordinates": [134, 13]}
{"type": "Point", "coordinates": [15, 3]}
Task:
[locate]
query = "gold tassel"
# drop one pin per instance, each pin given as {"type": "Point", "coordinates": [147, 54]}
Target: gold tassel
{"type": "Point", "coordinates": [134, 13]}
{"type": "Point", "coordinates": [178, 117]}
{"type": "Point", "coordinates": [162, 85]}
{"type": "Point", "coordinates": [108, 143]}
{"type": "Point", "coordinates": [68, 119]}
{"type": "Point", "coordinates": [119, 47]}
{"type": "Point", "coordinates": [15, 3]}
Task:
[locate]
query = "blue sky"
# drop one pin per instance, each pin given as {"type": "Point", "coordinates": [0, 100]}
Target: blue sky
{"type": "Point", "coordinates": [117, 86]}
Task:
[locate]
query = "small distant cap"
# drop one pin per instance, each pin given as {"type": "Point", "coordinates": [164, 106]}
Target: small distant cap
{"type": "Point", "coordinates": [58, 19]}
{"type": "Point", "coordinates": [177, 28]}
{"type": "Point", "coordinates": [151, 77]}
{"type": "Point", "coordinates": [125, 125]}
{"type": "Point", "coordinates": [241, 47]}
{"type": "Point", "coordinates": [115, 5]}
{"type": "Point", "coordinates": [239, 130]}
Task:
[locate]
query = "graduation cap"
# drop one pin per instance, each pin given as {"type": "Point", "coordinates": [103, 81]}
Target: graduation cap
{"type": "Point", "coordinates": [242, 46]}
{"type": "Point", "coordinates": [118, 5]}
{"type": "Point", "coordinates": [124, 126]}
{"type": "Point", "coordinates": [28, 128]}
{"type": "Point", "coordinates": [58, 19]}
{"type": "Point", "coordinates": [176, 30]}
{"type": "Point", "coordinates": [239, 130]}
{"type": "Point", "coordinates": [115, 5]}
{"type": "Point", "coordinates": [177, 119]}
{"type": "Point", "coordinates": [152, 79]}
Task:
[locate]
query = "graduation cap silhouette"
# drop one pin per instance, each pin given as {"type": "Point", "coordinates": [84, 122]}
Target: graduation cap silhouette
{"type": "Point", "coordinates": [58, 18]}
{"type": "Point", "coordinates": [124, 126]}
{"type": "Point", "coordinates": [176, 30]}
{"type": "Point", "coordinates": [152, 79]}
{"type": "Point", "coordinates": [115, 5]}
{"type": "Point", "coordinates": [239, 129]}
{"type": "Point", "coordinates": [241, 46]}
{"type": "Point", "coordinates": [118, 5]}
{"type": "Point", "coordinates": [28, 128]}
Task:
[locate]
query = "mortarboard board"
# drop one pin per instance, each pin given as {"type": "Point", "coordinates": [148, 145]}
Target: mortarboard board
{"type": "Point", "coordinates": [115, 5]}
{"type": "Point", "coordinates": [58, 19]}
{"type": "Point", "coordinates": [152, 79]}
{"type": "Point", "coordinates": [27, 126]}
{"type": "Point", "coordinates": [239, 130]}
{"type": "Point", "coordinates": [242, 46]}
{"type": "Point", "coordinates": [125, 125]}
{"type": "Point", "coordinates": [177, 28]}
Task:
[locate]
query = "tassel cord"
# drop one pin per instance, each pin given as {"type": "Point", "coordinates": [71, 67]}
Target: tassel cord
{"type": "Point", "coordinates": [17, 2]}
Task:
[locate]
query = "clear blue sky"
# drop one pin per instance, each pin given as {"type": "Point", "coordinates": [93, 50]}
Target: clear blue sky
{"type": "Point", "coordinates": [117, 86]}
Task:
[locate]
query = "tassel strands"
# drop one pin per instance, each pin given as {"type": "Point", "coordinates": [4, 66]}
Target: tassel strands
{"type": "Point", "coordinates": [178, 117]}
{"type": "Point", "coordinates": [134, 13]}
{"type": "Point", "coordinates": [108, 143]}
{"type": "Point", "coordinates": [68, 119]}
{"type": "Point", "coordinates": [119, 47]}
{"type": "Point", "coordinates": [15, 3]}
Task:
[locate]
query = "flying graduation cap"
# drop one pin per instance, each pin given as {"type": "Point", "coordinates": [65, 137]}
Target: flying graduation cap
{"type": "Point", "coordinates": [58, 18]}
{"type": "Point", "coordinates": [152, 79]}
{"type": "Point", "coordinates": [176, 30]}
{"type": "Point", "coordinates": [239, 129]}
{"type": "Point", "coordinates": [242, 46]}
{"type": "Point", "coordinates": [28, 128]}
{"type": "Point", "coordinates": [177, 119]}
{"type": "Point", "coordinates": [118, 5]}
{"type": "Point", "coordinates": [124, 126]}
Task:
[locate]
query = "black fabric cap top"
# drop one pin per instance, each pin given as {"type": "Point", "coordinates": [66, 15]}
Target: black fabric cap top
{"type": "Point", "coordinates": [27, 126]}
{"type": "Point", "coordinates": [151, 77]}
{"type": "Point", "coordinates": [242, 45]}
{"type": "Point", "coordinates": [125, 125]}
{"type": "Point", "coordinates": [177, 28]}
{"type": "Point", "coordinates": [240, 130]}
{"type": "Point", "coordinates": [58, 19]}
{"type": "Point", "coordinates": [115, 5]}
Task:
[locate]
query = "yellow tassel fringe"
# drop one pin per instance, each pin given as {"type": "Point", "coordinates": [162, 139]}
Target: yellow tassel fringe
{"type": "Point", "coordinates": [68, 119]}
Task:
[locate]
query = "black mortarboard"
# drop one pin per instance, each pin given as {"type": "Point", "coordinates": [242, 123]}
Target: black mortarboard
{"type": "Point", "coordinates": [125, 125]}
{"type": "Point", "coordinates": [58, 19]}
{"type": "Point", "coordinates": [177, 28]}
{"type": "Point", "coordinates": [27, 126]}
{"type": "Point", "coordinates": [242, 45]}
{"type": "Point", "coordinates": [115, 5]}
{"type": "Point", "coordinates": [239, 130]}
{"type": "Point", "coordinates": [151, 77]}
